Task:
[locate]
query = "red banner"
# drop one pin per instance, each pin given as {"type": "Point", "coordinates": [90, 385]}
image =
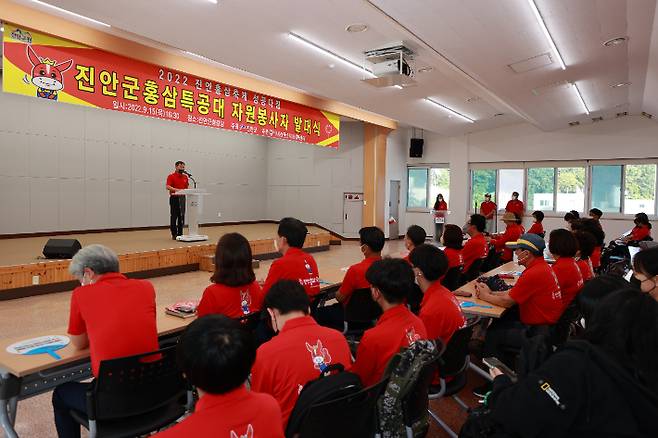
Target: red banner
{"type": "Point", "coordinates": [35, 64]}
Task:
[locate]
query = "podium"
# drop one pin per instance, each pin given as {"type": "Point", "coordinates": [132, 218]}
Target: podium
{"type": "Point", "coordinates": [194, 207]}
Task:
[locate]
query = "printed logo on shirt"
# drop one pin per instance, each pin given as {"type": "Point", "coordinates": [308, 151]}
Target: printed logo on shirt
{"type": "Point", "coordinates": [299, 388]}
{"type": "Point", "coordinates": [248, 434]}
{"type": "Point", "coordinates": [319, 355]}
{"type": "Point", "coordinates": [557, 293]}
{"type": "Point", "coordinates": [245, 301]}
{"type": "Point", "coordinates": [308, 267]}
{"type": "Point", "coordinates": [548, 389]}
{"type": "Point", "coordinates": [411, 335]}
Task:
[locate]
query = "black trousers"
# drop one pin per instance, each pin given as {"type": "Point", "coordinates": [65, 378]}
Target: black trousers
{"type": "Point", "coordinates": [177, 215]}
{"type": "Point", "coordinates": [69, 396]}
{"type": "Point", "coordinates": [504, 337]}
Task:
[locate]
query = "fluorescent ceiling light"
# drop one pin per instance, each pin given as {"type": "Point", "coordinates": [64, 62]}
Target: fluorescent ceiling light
{"type": "Point", "coordinates": [547, 34]}
{"type": "Point", "coordinates": [213, 1]}
{"type": "Point", "coordinates": [580, 97]}
{"type": "Point", "coordinates": [70, 13]}
{"type": "Point", "coordinates": [399, 87]}
{"type": "Point", "coordinates": [330, 54]}
{"type": "Point", "coordinates": [196, 55]}
{"type": "Point", "coordinates": [2, 29]}
{"type": "Point", "coordinates": [451, 111]}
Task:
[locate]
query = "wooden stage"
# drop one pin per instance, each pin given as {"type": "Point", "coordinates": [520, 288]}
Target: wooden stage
{"type": "Point", "coordinates": [142, 253]}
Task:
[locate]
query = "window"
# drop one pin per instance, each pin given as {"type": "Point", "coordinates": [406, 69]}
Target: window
{"type": "Point", "coordinates": [570, 188]}
{"type": "Point", "coordinates": [640, 189]}
{"type": "Point", "coordinates": [541, 188]}
{"type": "Point", "coordinates": [482, 181]}
{"type": "Point", "coordinates": [509, 180]}
{"type": "Point", "coordinates": [606, 188]}
{"type": "Point", "coordinates": [425, 183]}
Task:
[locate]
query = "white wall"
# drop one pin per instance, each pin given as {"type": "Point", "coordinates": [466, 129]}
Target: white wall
{"type": "Point", "coordinates": [308, 182]}
{"type": "Point", "coordinates": [67, 167]}
{"type": "Point", "coordinates": [397, 149]}
{"type": "Point", "coordinates": [628, 137]}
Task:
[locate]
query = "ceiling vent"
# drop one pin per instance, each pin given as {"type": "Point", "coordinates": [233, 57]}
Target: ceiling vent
{"type": "Point", "coordinates": [391, 66]}
{"type": "Point", "coordinates": [597, 119]}
{"type": "Point", "coordinates": [622, 114]}
{"type": "Point", "coordinates": [551, 87]}
{"type": "Point", "coordinates": [617, 41]}
{"type": "Point", "coordinates": [533, 63]}
{"type": "Point", "coordinates": [647, 115]}
{"type": "Point", "coordinates": [574, 123]}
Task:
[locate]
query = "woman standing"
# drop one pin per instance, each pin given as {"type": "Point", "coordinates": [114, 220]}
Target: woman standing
{"type": "Point", "coordinates": [440, 208]}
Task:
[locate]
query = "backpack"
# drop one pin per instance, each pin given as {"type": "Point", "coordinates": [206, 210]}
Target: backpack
{"type": "Point", "coordinates": [404, 370]}
{"type": "Point", "coordinates": [333, 383]}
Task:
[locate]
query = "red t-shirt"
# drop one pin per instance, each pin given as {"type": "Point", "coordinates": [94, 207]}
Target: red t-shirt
{"type": "Point", "coordinates": [440, 312]}
{"type": "Point", "coordinates": [297, 265]}
{"type": "Point", "coordinates": [475, 248]}
{"type": "Point", "coordinates": [538, 295]}
{"type": "Point", "coordinates": [487, 209]}
{"type": "Point", "coordinates": [294, 357]}
{"type": "Point", "coordinates": [515, 206]}
{"type": "Point", "coordinates": [177, 181]}
{"type": "Point", "coordinates": [595, 258]}
{"type": "Point", "coordinates": [536, 228]}
{"type": "Point", "coordinates": [440, 207]}
{"type": "Point", "coordinates": [454, 256]}
{"type": "Point", "coordinates": [234, 302]}
{"type": "Point", "coordinates": [396, 328]}
{"type": "Point", "coordinates": [118, 316]}
{"type": "Point", "coordinates": [511, 234]}
{"type": "Point", "coordinates": [640, 232]}
{"type": "Point", "coordinates": [586, 269]}
{"type": "Point", "coordinates": [569, 278]}
{"type": "Point", "coordinates": [355, 278]}
{"type": "Point", "coordinates": [237, 413]}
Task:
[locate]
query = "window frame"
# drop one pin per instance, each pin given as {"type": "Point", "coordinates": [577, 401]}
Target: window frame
{"type": "Point", "coordinates": [427, 167]}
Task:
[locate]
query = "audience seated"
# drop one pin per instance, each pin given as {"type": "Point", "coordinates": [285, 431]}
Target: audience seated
{"type": "Point", "coordinates": [595, 291]}
{"type": "Point", "coordinates": [641, 231]}
{"type": "Point", "coordinates": [563, 246]}
{"type": "Point", "coordinates": [372, 242]}
{"type": "Point", "coordinates": [216, 354]}
{"type": "Point", "coordinates": [295, 263]}
{"type": "Point", "coordinates": [594, 228]}
{"type": "Point", "coordinates": [112, 315]}
{"type": "Point", "coordinates": [476, 247]}
{"type": "Point", "coordinates": [604, 386]}
{"type": "Point", "coordinates": [537, 227]}
{"type": "Point", "coordinates": [586, 244]}
{"type": "Point", "coordinates": [512, 233]}
{"type": "Point", "coordinates": [390, 280]}
{"type": "Point", "coordinates": [415, 236]}
{"type": "Point", "coordinates": [645, 267]}
{"type": "Point", "coordinates": [596, 214]}
{"type": "Point", "coordinates": [235, 291]}
{"type": "Point", "coordinates": [439, 310]}
{"type": "Point", "coordinates": [452, 238]}
{"type": "Point", "coordinates": [536, 293]}
{"type": "Point", "coordinates": [571, 216]}
{"type": "Point", "coordinates": [300, 351]}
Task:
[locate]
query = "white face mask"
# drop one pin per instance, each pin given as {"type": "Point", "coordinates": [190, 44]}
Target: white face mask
{"type": "Point", "coordinates": [86, 280]}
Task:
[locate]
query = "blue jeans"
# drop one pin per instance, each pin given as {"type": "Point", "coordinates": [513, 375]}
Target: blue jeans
{"type": "Point", "coordinates": [71, 395]}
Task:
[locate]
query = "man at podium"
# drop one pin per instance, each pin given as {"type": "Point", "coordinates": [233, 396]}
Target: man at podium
{"type": "Point", "coordinates": [177, 181]}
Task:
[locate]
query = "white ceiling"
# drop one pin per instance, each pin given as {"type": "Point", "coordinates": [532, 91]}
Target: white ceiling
{"type": "Point", "coordinates": [468, 43]}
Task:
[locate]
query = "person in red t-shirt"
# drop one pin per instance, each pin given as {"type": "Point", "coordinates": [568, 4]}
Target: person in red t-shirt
{"type": "Point", "coordinates": [476, 247]}
{"type": "Point", "coordinates": [641, 231]}
{"type": "Point", "coordinates": [295, 263]}
{"type": "Point", "coordinates": [586, 243]}
{"type": "Point", "coordinates": [110, 314]}
{"type": "Point", "coordinates": [645, 270]}
{"type": "Point", "coordinates": [235, 291]}
{"type": "Point", "coordinates": [512, 233]}
{"type": "Point", "coordinates": [216, 354]}
{"type": "Point", "coordinates": [414, 237]}
{"type": "Point", "coordinates": [536, 292]}
{"type": "Point", "coordinates": [452, 240]}
{"type": "Point", "coordinates": [488, 210]}
{"type": "Point", "coordinates": [537, 227]}
{"type": "Point", "coordinates": [563, 246]}
{"type": "Point", "coordinates": [440, 207]}
{"type": "Point", "coordinates": [372, 242]}
{"type": "Point", "coordinates": [515, 206]}
{"type": "Point", "coordinates": [299, 353]}
{"type": "Point", "coordinates": [391, 280]}
{"type": "Point", "coordinates": [177, 181]}
{"type": "Point", "coordinates": [439, 310]}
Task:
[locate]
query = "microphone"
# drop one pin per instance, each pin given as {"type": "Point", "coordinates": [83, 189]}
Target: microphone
{"type": "Point", "coordinates": [187, 173]}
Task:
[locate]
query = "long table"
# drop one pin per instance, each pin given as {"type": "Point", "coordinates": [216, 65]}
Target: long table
{"type": "Point", "coordinates": [466, 293]}
{"type": "Point", "coordinates": [24, 376]}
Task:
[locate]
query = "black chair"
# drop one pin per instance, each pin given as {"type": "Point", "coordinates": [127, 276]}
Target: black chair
{"type": "Point", "coordinates": [251, 321]}
{"type": "Point", "coordinates": [351, 416]}
{"type": "Point", "coordinates": [135, 395]}
{"type": "Point", "coordinates": [453, 278]}
{"type": "Point", "coordinates": [453, 366]}
{"type": "Point", "coordinates": [325, 314]}
{"type": "Point", "coordinates": [361, 312]}
{"type": "Point", "coordinates": [473, 271]}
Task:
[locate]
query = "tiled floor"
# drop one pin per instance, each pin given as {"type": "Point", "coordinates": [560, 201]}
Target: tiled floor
{"type": "Point", "coordinates": [50, 312]}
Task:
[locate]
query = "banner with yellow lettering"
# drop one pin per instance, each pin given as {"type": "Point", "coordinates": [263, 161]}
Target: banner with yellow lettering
{"type": "Point", "coordinates": [46, 67]}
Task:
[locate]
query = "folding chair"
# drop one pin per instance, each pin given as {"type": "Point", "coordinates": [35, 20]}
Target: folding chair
{"type": "Point", "coordinates": [453, 278]}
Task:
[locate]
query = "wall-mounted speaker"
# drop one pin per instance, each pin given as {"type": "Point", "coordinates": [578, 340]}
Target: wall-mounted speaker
{"type": "Point", "coordinates": [416, 148]}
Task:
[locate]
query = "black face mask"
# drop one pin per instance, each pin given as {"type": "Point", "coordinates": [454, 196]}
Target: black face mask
{"type": "Point", "coordinates": [180, 171]}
